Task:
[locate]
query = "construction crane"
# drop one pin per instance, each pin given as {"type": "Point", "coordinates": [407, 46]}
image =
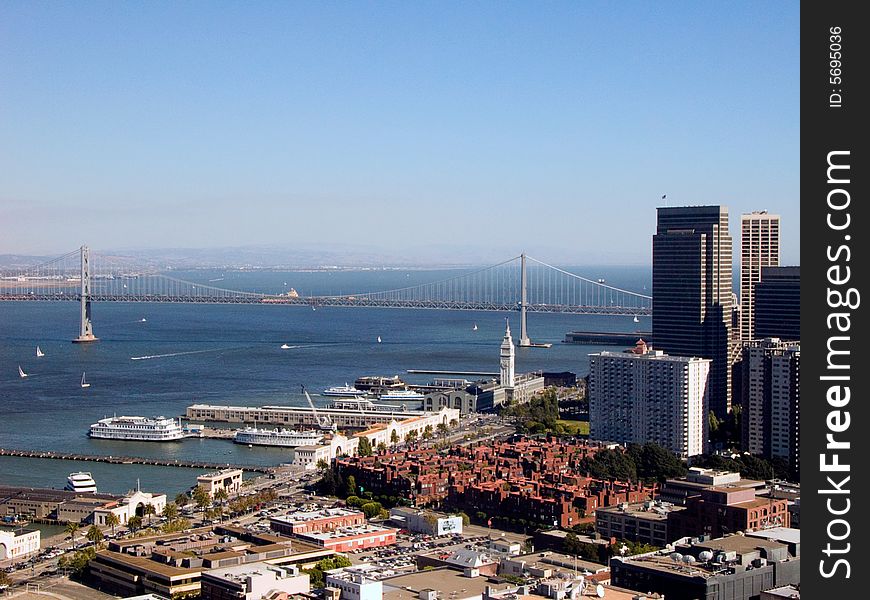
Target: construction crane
{"type": "Point", "coordinates": [323, 422]}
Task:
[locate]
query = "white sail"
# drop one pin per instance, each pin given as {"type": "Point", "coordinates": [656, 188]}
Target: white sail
{"type": "Point", "coordinates": [84, 383]}
{"type": "Point", "coordinates": [379, 339]}
{"type": "Point", "coordinates": [21, 372]}
{"type": "Point", "coordinates": [39, 353]}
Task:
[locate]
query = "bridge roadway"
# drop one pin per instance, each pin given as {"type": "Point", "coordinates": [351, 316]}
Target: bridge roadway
{"type": "Point", "coordinates": [132, 460]}
{"type": "Point", "coordinates": [343, 301]}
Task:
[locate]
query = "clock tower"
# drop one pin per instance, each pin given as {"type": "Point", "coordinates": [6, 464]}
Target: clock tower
{"type": "Point", "coordinates": [507, 358]}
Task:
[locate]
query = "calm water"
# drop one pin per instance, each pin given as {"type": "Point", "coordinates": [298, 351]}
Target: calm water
{"type": "Point", "coordinates": [231, 355]}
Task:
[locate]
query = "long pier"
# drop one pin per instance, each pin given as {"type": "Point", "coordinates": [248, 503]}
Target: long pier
{"type": "Point", "coordinates": [132, 460]}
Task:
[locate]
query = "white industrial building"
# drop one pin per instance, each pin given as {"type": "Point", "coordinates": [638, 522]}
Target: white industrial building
{"type": "Point", "coordinates": [354, 585]}
{"type": "Point", "coordinates": [426, 521]}
{"type": "Point", "coordinates": [644, 395]}
{"type": "Point", "coordinates": [129, 506]}
{"type": "Point", "coordinates": [18, 545]}
{"type": "Point", "coordinates": [253, 582]}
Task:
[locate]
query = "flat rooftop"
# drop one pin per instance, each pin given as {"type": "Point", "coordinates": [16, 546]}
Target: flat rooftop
{"type": "Point", "coordinates": [559, 562]}
{"type": "Point", "coordinates": [315, 515]}
{"type": "Point", "coordinates": [449, 582]}
{"type": "Point", "coordinates": [787, 535]}
{"type": "Point", "coordinates": [344, 532]}
{"type": "Point", "coordinates": [240, 573]}
{"type": "Point", "coordinates": [643, 510]}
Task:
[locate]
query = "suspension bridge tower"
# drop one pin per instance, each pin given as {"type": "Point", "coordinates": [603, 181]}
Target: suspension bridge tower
{"type": "Point", "coordinates": [86, 332]}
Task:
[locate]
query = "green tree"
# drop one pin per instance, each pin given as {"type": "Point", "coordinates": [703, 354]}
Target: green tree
{"type": "Point", "coordinates": [170, 511]}
{"type": "Point", "coordinates": [181, 499]}
{"type": "Point", "coordinates": [201, 498]}
{"type": "Point", "coordinates": [149, 510]}
{"type": "Point", "coordinates": [371, 509]}
{"type": "Point", "coordinates": [394, 437]}
{"type": "Point", "coordinates": [382, 447]}
{"type": "Point", "coordinates": [443, 430]}
{"type": "Point", "coordinates": [466, 520]}
{"type": "Point", "coordinates": [94, 534]}
{"type": "Point", "coordinates": [77, 562]}
{"type": "Point", "coordinates": [112, 521]}
{"type": "Point", "coordinates": [350, 486]}
{"type": "Point", "coordinates": [322, 465]}
{"type": "Point", "coordinates": [411, 436]}
{"type": "Point", "coordinates": [427, 432]}
{"type": "Point", "coordinates": [365, 447]}
{"type": "Point", "coordinates": [4, 579]}
{"type": "Point", "coordinates": [71, 529]}
{"type": "Point", "coordinates": [134, 523]}
{"type": "Point", "coordinates": [221, 496]}
{"type": "Point", "coordinates": [571, 545]}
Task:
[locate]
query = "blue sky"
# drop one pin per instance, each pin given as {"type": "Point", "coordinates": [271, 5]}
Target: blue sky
{"type": "Point", "coordinates": [552, 126]}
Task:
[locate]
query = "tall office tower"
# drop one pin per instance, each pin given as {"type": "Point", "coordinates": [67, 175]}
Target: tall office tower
{"type": "Point", "coordinates": [759, 248]}
{"type": "Point", "coordinates": [692, 291]}
{"type": "Point", "coordinates": [777, 310]}
{"type": "Point", "coordinates": [647, 396]}
{"type": "Point", "coordinates": [771, 400]}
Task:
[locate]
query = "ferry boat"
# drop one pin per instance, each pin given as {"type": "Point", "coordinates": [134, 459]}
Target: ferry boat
{"type": "Point", "coordinates": [401, 396]}
{"type": "Point", "coordinates": [343, 391]}
{"type": "Point", "coordinates": [81, 482]}
{"type": "Point", "coordinates": [143, 429]}
{"type": "Point", "coordinates": [289, 438]}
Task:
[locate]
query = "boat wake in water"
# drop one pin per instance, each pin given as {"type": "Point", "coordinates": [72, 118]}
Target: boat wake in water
{"type": "Point", "coordinates": [150, 356]}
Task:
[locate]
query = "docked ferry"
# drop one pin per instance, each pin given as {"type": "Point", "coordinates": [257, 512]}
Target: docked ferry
{"type": "Point", "coordinates": [343, 391]}
{"type": "Point", "coordinates": [81, 482]}
{"type": "Point", "coordinates": [141, 429]}
{"type": "Point", "coordinates": [288, 438]}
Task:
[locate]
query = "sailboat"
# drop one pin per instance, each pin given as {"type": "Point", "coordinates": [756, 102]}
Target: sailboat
{"type": "Point", "coordinates": [85, 384]}
{"type": "Point", "coordinates": [379, 339]}
{"type": "Point", "coordinates": [39, 353]}
{"type": "Point", "coordinates": [285, 346]}
{"type": "Point", "coordinates": [474, 328]}
{"type": "Point", "coordinates": [143, 320]}
{"type": "Point", "coordinates": [636, 320]}
{"type": "Point", "coordinates": [21, 372]}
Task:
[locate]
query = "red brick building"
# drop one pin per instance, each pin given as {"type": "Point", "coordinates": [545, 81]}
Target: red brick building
{"type": "Point", "coordinates": [721, 510]}
{"type": "Point", "coordinates": [320, 521]}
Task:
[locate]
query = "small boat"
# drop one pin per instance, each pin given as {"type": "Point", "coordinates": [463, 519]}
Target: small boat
{"type": "Point", "coordinates": [39, 353]}
{"type": "Point", "coordinates": [21, 372]}
{"type": "Point", "coordinates": [85, 384]}
{"type": "Point", "coordinates": [636, 320]}
{"type": "Point", "coordinates": [474, 328]}
{"type": "Point", "coordinates": [285, 346]}
{"type": "Point", "coordinates": [379, 339]}
{"type": "Point", "coordinates": [142, 320]}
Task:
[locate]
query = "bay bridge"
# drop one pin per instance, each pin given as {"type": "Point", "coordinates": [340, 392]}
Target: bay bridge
{"type": "Point", "coordinates": [520, 284]}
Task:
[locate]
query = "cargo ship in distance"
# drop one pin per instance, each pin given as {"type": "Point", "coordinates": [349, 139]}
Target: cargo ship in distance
{"type": "Point", "coordinates": [140, 429]}
{"type": "Point", "coordinates": [287, 438]}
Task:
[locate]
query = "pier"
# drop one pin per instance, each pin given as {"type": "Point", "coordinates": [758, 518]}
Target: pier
{"type": "Point", "coordinates": [133, 460]}
{"type": "Point", "coordinates": [436, 372]}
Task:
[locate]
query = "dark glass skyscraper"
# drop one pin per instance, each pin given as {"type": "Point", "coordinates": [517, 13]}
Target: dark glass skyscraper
{"type": "Point", "coordinates": [777, 302]}
{"type": "Point", "coordinates": [692, 291]}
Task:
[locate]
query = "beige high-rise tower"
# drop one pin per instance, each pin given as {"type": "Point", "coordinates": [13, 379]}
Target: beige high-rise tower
{"type": "Point", "coordinates": [759, 247]}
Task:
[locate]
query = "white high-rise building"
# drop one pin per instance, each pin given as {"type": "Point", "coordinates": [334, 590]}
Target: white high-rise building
{"type": "Point", "coordinates": [759, 247]}
{"type": "Point", "coordinates": [507, 358]}
{"type": "Point", "coordinates": [644, 395]}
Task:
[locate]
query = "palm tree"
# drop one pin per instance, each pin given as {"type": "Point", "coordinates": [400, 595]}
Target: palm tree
{"type": "Point", "coordinates": [72, 528]}
{"type": "Point", "coordinates": [112, 520]}
{"type": "Point", "coordinates": [134, 523]}
{"type": "Point", "coordinates": [202, 498]}
{"type": "Point", "coordinates": [149, 511]}
{"type": "Point", "coordinates": [181, 499]}
{"type": "Point", "coordinates": [221, 495]}
{"type": "Point", "coordinates": [170, 511]}
{"type": "Point", "coordinates": [94, 534]}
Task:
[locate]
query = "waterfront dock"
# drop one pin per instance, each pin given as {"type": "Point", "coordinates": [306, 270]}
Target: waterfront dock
{"type": "Point", "coordinates": [133, 460]}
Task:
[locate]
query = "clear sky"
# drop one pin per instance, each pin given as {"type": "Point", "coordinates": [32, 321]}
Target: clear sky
{"type": "Point", "coordinates": [554, 126]}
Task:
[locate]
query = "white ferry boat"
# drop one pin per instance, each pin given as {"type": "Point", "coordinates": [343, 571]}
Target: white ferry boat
{"type": "Point", "coordinates": [81, 482]}
{"type": "Point", "coordinates": [289, 438]}
{"type": "Point", "coordinates": [401, 396]}
{"type": "Point", "coordinates": [343, 391]}
{"type": "Point", "coordinates": [143, 429]}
